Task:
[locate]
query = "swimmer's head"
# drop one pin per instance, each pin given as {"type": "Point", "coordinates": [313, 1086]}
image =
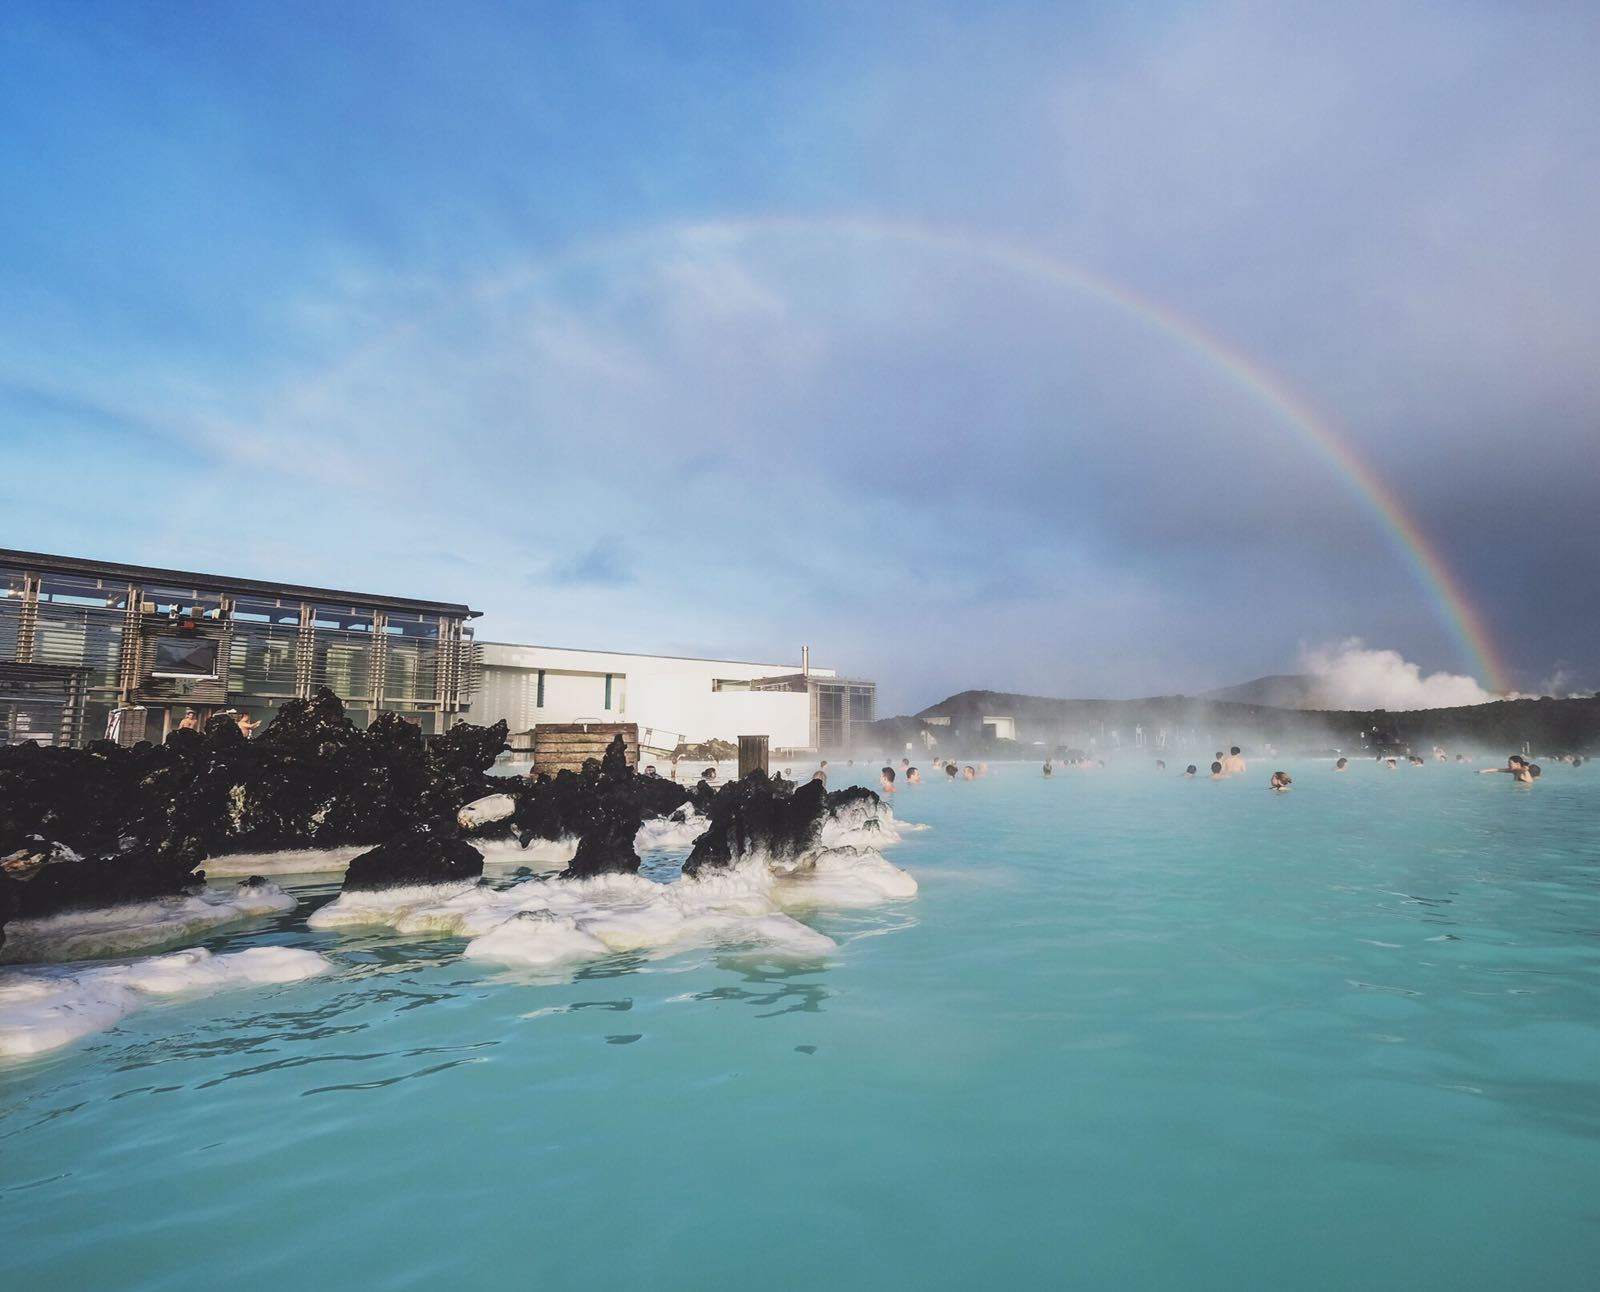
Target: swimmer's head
{"type": "Point", "coordinates": [1342, 764]}
{"type": "Point", "coordinates": [951, 770]}
{"type": "Point", "coordinates": [888, 774]}
{"type": "Point", "coordinates": [1190, 770]}
{"type": "Point", "coordinates": [1234, 750]}
{"type": "Point", "coordinates": [1216, 768]}
{"type": "Point", "coordinates": [1533, 770]}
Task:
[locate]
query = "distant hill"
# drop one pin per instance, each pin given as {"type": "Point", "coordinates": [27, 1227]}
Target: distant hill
{"type": "Point", "coordinates": [1280, 691]}
{"type": "Point", "coordinates": [973, 720]}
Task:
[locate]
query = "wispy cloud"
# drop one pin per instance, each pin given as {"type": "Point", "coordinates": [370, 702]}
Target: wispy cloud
{"type": "Point", "coordinates": [931, 467]}
{"type": "Point", "coordinates": [603, 565]}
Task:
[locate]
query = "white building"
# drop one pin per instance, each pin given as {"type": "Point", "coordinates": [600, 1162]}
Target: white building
{"type": "Point", "coordinates": [673, 700]}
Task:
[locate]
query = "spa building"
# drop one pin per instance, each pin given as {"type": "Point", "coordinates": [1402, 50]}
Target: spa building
{"type": "Point", "coordinates": [673, 700]}
{"type": "Point", "coordinates": [90, 649]}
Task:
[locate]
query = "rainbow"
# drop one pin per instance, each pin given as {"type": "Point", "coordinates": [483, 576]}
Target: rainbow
{"type": "Point", "coordinates": [1455, 611]}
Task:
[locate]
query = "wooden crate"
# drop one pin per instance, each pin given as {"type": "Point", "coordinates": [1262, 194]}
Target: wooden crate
{"type": "Point", "coordinates": [565, 745]}
{"type": "Point", "coordinates": [752, 755]}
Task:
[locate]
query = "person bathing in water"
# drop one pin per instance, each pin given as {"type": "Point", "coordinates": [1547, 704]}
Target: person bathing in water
{"type": "Point", "coordinates": [886, 780]}
{"type": "Point", "coordinates": [1233, 763]}
{"type": "Point", "coordinates": [1217, 774]}
{"type": "Point", "coordinates": [1281, 782]}
{"type": "Point", "coordinates": [1189, 771]}
{"type": "Point", "coordinates": [1048, 769]}
{"type": "Point", "coordinates": [1521, 771]}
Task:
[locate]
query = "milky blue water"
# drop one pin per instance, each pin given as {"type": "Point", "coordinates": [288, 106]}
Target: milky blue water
{"type": "Point", "coordinates": [1134, 1032]}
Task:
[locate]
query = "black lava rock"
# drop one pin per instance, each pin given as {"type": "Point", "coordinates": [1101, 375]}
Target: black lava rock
{"type": "Point", "coordinates": [415, 858]}
{"type": "Point", "coordinates": [44, 878]}
{"type": "Point", "coordinates": [606, 847]}
{"type": "Point", "coordinates": [758, 813]}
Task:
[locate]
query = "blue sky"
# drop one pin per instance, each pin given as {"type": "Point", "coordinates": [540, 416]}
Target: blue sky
{"type": "Point", "coordinates": [464, 301]}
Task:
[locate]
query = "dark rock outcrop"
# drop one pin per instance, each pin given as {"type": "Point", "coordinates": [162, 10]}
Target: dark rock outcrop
{"type": "Point", "coordinates": [142, 818]}
{"type": "Point", "coordinates": [767, 815]}
{"type": "Point", "coordinates": [604, 806]}
{"type": "Point", "coordinates": [312, 779]}
{"type": "Point", "coordinates": [43, 878]}
{"type": "Point", "coordinates": [606, 847]}
{"type": "Point", "coordinates": [106, 824]}
{"type": "Point", "coordinates": [415, 858]}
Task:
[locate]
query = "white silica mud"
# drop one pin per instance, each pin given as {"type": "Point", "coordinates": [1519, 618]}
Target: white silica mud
{"type": "Point", "coordinates": [298, 861]}
{"type": "Point", "coordinates": [104, 932]}
{"type": "Point", "coordinates": [675, 833]}
{"type": "Point", "coordinates": [847, 877]}
{"type": "Point", "coordinates": [539, 854]}
{"type": "Point", "coordinates": [42, 1009]}
{"type": "Point", "coordinates": [545, 921]}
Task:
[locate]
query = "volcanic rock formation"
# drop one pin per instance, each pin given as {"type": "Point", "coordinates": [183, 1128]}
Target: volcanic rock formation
{"type": "Point", "coordinates": [107, 824]}
{"type": "Point", "coordinates": [767, 815]}
{"type": "Point", "coordinates": [414, 858]}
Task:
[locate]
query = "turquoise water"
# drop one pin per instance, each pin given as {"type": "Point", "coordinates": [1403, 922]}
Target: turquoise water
{"type": "Point", "coordinates": [1133, 1032]}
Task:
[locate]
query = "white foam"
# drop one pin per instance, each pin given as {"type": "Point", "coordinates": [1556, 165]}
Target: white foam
{"type": "Point", "coordinates": [860, 824]}
{"type": "Point", "coordinates": [44, 1009]}
{"type": "Point", "coordinates": [539, 854]}
{"type": "Point", "coordinates": [103, 932]}
{"type": "Point", "coordinates": [547, 921]}
{"type": "Point", "coordinates": [439, 909]}
{"type": "Point", "coordinates": [844, 877]}
{"type": "Point", "coordinates": [536, 938]}
{"type": "Point", "coordinates": [663, 834]}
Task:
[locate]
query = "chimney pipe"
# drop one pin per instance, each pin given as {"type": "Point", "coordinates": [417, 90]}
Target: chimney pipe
{"type": "Point", "coordinates": [805, 661]}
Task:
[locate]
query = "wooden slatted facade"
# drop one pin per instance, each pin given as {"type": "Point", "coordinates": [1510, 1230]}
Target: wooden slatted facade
{"type": "Point", "coordinates": [169, 640]}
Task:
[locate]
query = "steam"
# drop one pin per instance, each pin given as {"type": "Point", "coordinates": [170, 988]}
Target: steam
{"type": "Point", "coordinates": [1349, 676]}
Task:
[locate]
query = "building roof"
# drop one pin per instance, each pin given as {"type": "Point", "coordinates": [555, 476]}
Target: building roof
{"type": "Point", "coordinates": [40, 563]}
{"type": "Point", "coordinates": [800, 680]}
{"type": "Point", "coordinates": [635, 654]}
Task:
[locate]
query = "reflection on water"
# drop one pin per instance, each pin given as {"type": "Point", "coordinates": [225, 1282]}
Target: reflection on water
{"type": "Point", "coordinates": [772, 993]}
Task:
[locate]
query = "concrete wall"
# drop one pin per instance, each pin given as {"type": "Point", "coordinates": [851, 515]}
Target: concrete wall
{"type": "Point", "coordinates": [669, 698]}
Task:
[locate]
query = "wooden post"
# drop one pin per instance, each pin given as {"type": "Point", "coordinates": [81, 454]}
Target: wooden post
{"type": "Point", "coordinates": [752, 754]}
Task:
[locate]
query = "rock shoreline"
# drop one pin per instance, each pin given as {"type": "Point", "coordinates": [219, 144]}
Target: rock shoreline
{"type": "Point", "coordinates": [107, 825]}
